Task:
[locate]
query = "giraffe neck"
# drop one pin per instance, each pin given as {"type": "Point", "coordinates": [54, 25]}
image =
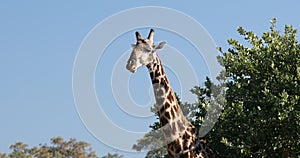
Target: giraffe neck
{"type": "Point", "coordinates": [180, 135]}
{"type": "Point", "coordinates": [173, 123]}
{"type": "Point", "coordinates": [166, 101]}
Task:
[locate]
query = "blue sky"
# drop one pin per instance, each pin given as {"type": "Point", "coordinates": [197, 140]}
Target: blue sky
{"type": "Point", "coordinates": [40, 40]}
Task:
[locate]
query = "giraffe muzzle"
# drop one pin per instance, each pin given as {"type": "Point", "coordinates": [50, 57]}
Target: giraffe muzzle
{"type": "Point", "coordinates": [130, 67]}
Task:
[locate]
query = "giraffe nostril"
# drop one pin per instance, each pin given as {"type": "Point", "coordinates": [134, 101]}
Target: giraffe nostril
{"type": "Point", "coordinates": [133, 69]}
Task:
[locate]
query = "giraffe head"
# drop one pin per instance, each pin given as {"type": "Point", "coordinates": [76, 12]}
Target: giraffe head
{"type": "Point", "coordinates": [143, 52]}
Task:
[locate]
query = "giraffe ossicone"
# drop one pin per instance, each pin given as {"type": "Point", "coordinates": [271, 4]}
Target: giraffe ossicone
{"type": "Point", "coordinates": [181, 137]}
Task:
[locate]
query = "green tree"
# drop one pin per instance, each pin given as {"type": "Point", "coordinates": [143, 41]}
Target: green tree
{"type": "Point", "coordinates": [262, 113]}
{"type": "Point", "coordinates": [59, 148]}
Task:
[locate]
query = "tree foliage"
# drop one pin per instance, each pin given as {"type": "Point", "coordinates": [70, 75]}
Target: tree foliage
{"type": "Point", "coordinates": [109, 155]}
{"type": "Point", "coordinates": [59, 148]}
{"type": "Point", "coordinates": [261, 113]}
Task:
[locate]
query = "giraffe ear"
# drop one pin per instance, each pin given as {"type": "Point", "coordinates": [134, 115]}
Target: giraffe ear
{"type": "Point", "coordinates": [160, 45]}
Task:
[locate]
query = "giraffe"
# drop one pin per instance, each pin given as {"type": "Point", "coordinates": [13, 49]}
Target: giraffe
{"type": "Point", "coordinates": [180, 135]}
